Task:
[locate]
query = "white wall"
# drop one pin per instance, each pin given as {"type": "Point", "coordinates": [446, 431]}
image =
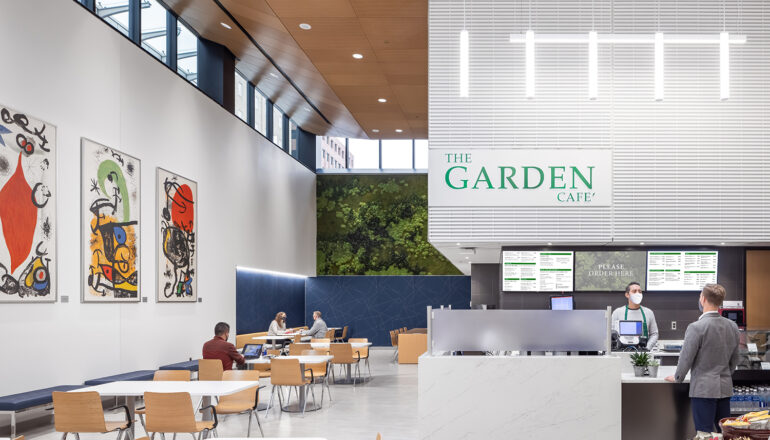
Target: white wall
{"type": "Point", "coordinates": [690, 169]}
{"type": "Point", "coordinates": [256, 204]}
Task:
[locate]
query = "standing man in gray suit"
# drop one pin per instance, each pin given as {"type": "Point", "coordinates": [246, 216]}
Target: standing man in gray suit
{"type": "Point", "coordinates": [710, 352]}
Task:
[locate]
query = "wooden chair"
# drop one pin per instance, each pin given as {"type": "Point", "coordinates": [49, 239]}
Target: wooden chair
{"type": "Point", "coordinates": [379, 437]}
{"type": "Point", "coordinates": [298, 338]}
{"type": "Point", "coordinates": [319, 370]}
{"type": "Point", "coordinates": [344, 355]}
{"type": "Point", "coordinates": [394, 343]}
{"type": "Point", "coordinates": [274, 351]}
{"type": "Point", "coordinates": [210, 369]}
{"type": "Point", "coordinates": [325, 351]}
{"type": "Point", "coordinates": [262, 369]}
{"type": "Point", "coordinates": [363, 351]}
{"type": "Point", "coordinates": [287, 373]}
{"type": "Point", "coordinates": [296, 349]}
{"type": "Point", "coordinates": [168, 375]}
{"type": "Point", "coordinates": [243, 402]}
{"type": "Point", "coordinates": [173, 412]}
{"type": "Point", "coordinates": [82, 412]}
{"type": "Point", "coordinates": [329, 335]}
{"type": "Point", "coordinates": [343, 335]}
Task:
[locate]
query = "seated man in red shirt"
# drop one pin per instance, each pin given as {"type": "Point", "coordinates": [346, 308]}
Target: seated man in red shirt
{"type": "Point", "coordinates": [219, 348]}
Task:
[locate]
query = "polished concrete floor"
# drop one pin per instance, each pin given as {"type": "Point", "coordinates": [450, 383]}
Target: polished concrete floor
{"type": "Point", "coordinates": [387, 404]}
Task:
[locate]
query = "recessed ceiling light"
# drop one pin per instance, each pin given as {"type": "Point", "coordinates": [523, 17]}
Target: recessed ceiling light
{"type": "Point", "coordinates": [382, 100]}
{"type": "Point", "coordinates": [458, 244]}
{"type": "Point", "coordinates": [305, 26]}
{"type": "Point", "coordinates": [722, 243]}
{"type": "Point", "coordinates": [226, 26]}
{"type": "Point", "coordinates": [357, 56]}
{"type": "Point", "coordinates": [375, 130]}
{"type": "Point", "coordinates": [398, 130]}
{"type": "Point", "coordinates": [467, 258]}
{"type": "Point", "coordinates": [549, 243]}
{"type": "Point", "coordinates": [641, 243]}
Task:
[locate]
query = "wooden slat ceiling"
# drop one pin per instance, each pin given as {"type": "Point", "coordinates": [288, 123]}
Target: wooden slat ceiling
{"type": "Point", "coordinates": [392, 35]}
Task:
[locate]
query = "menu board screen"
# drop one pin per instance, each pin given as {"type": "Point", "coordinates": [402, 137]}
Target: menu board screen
{"type": "Point", "coordinates": [538, 271]}
{"type": "Point", "coordinates": [681, 270]}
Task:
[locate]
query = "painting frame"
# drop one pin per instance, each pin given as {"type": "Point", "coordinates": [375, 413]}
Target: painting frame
{"type": "Point", "coordinates": [161, 259]}
{"type": "Point", "coordinates": [86, 297]}
{"type": "Point", "coordinates": [52, 268]}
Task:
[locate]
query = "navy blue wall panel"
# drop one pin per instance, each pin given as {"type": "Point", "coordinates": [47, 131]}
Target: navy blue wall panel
{"type": "Point", "coordinates": [260, 295]}
{"type": "Point", "coordinates": [373, 305]}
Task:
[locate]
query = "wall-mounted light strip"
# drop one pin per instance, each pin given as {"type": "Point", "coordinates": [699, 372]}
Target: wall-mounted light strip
{"type": "Point", "coordinates": [724, 65]}
{"type": "Point", "coordinates": [529, 63]}
{"type": "Point", "coordinates": [593, 65]}
{"type": "Point", "coordinates": [464, 63]}
{"type": "Point", "coordinates": [658, 40]}
{"type": "Point", "coordinates": [270, 272]}
{"type": "Point", "coordinates": [659, 57]}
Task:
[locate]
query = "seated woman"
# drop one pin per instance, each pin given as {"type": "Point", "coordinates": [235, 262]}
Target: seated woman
{"type": "Point", "coordinates": [278, 326]}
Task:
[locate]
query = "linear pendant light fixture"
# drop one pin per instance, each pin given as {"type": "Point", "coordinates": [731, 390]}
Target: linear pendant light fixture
{"type": "Point", "coordinates": [464, 64]}
{"type": "Point", "coordinates": [464, 59]}
{"type": "Point", "coordinates": [724, 66]}
{"type": "Point", "coordinates": [658, 66]}
{"type": "Point", "coordinates": [593, 65]}
{"type": "Point", "coordinates": [658, 40]}
{"type": "Point", "coordinates": [529, 63]}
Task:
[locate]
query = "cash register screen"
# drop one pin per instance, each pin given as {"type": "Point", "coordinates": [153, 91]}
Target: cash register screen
{"type": "Point", "coordinates": [562, 303]}
{"type": "Point", "coordinates": [630, 328]}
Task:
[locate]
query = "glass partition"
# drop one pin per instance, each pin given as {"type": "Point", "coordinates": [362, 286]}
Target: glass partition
{"type": "Point", "coordinates": [519, 330]}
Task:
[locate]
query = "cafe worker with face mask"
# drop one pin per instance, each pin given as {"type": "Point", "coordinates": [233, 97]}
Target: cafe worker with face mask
{"type": "Point", "coordinates": [635, 311]}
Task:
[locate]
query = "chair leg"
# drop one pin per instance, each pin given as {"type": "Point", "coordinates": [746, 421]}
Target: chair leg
{"type": "Point", "coordinates": [141, 420]}
{"type": "Point", "coordinates": [163, 435]}
{"type": "Point", "coordinates": [256, 416]}
{"type": "Point", "coordinates": [288, 400]}
{"type": "Point", "coordinates": [368, 368]}
{"type": "Point", "coordinates": [77, 436]}
{"type": "Point", "coordinates": [120, 433]}
{"type": "Point", "coordinates": [270, 402]}
{"type": "Point", "coordinates": [248, 430]}
{"type": "Point", "coordinates": [329, 390]}
{"type": "Point", "coordinates": [312, 391]}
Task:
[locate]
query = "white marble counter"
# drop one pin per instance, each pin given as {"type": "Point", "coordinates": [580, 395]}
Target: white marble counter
{"type": "Point", "coordinates": [663, 371]}
{"type": "Point", "coordinates": [504, 397]}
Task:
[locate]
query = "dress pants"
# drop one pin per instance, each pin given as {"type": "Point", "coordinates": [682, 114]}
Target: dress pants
{"type": "Point", "coordinates": [707, 413]}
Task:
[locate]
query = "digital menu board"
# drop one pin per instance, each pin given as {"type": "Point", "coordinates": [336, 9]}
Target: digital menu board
{"type": "Point", "coordinates": [537, 271]}
{"type": "Point", "coordinates": [681, 270]}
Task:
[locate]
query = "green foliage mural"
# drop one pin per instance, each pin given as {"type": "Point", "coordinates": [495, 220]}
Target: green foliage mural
{"type": "Point", "coordinates": [376, 225]}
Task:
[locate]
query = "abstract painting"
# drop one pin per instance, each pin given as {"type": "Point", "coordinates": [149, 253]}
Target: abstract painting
{"type": "Point", "coordinates": [177, 238]}
{"type": "Point", "coordinates": [110, 192]}
{"type": "Point", "coordinates": [27, 208]}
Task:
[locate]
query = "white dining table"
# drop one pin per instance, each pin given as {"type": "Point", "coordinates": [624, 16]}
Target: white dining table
{"type": "Point", "coordinates": [303, 360]}
{"type": "Point", "coordinates": [131, 389]}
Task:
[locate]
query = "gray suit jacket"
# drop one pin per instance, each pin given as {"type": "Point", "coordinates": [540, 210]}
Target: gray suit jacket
{"type": "Point", "coordinates": [318, 330]}
{"type": "Point", "coordinates": [710, 351]}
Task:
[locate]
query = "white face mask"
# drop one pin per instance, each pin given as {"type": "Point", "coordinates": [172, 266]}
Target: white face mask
{"type": "Point", "coordinates": [636, 298]}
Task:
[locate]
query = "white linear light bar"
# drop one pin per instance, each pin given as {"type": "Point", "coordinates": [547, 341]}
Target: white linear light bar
{"type": "Point", "coordinates": [529, 63]}
{"type": "Point", "coordinates": [705, 39]}
{"type": "Point", "coordinates": [724, 65]}
{"type": "Point", "coordinates": [593, 65]}
{"type": "Point", "coordinates": [464, 63]}
{"type": "Point", "coordinates": [658, 39]}
{"type": "Point", "coordinates": [658, 69]}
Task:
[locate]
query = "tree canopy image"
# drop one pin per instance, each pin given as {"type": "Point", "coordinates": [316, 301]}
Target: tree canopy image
{"type": "Point", "coordinates": [376, 225]}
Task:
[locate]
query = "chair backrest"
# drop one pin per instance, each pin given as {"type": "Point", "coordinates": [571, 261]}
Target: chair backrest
{"type": "Point", "coordinates": [329, 334]}
{"type": "Point", "coordinates": [321, 340]}
{"type": "Point", "coordinates": [78, 412]}
{"type": "Point", "coordinates": [343, 353]}
{"type": "Point", "coordinates": [403, 329]}
{"type": "Point", "coordinates": [393, 338]}
{"type": "Point", "coordinates": [247, 338]}
{"type": "Point", "coordinates": [209, 369]}
{"type": "Point", "coordinates": [274, 352]}
{"type": "Point", "coordinates": [364, 351]}
{"type": "Point", "coordinates": [344, 332]}
{"type": "Point", "coordinates": [248, 396]}
{"type": "Point", "coordinates": [296, 348]}
{"type": "Point", "coordinates": [172, 375]}
{"type": "Point", "coordinates": [297, 338]}
{"type": "Point", "coordinates": [319, 368]}
{"type": "Point", "coordinates": [379, 437]}
{"type": "Point", "coordinates": [286, 372]}
{"type": "Point", "coordinates": [169, 412]}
